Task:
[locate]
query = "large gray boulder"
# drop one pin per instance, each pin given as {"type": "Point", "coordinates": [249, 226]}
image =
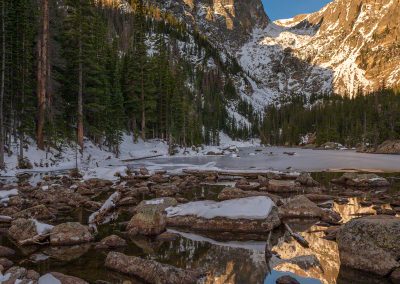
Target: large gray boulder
{"type": "Point", "coordinates": [370, 244]}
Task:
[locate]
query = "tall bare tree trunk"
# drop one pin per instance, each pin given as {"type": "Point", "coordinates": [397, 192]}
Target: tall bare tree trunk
{"type": "Point", "coordinates": [143, 108]}
{"type": "Point", "coordinates": [3, 70]}
{"type": "Point", "coordinates": [80, 96]}
{"type": "Point", "coordinates": [43, 46]}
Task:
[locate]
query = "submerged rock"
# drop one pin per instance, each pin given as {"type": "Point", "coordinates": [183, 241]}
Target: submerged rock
{"type": "Point", "coordinates": [71, 233]}
{"type": "Point", "coordinates": [362, 180]}
{"type": "Point", "coordinates": [112, 241]}
{"type": "Point", "coordinates": [150, 270]}
{"type": "Point", "coordinates": [286, 279]}
{"type": "Point", "coordinates": [370, 244]}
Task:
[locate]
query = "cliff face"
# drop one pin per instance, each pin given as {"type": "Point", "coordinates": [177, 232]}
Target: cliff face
{"type": "Point", "coordinates": [227, 23]}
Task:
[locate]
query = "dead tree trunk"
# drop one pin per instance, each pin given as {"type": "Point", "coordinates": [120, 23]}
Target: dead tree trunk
{"type": "Point", "coordinates": [42, 71]}
{"type": "Point", "coordinates": [80, 95]}
{"type": "Point", "coordinates": [3, 67]}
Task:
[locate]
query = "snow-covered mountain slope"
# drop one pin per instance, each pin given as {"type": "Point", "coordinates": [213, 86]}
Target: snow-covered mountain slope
{"type": "Point", "coordinates": [347, 47]}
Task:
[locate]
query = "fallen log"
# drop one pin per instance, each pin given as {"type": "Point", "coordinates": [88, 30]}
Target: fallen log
{"type": "Point", "coordinates": [302, 241]}
{"type": "Point", "coordinates": [150, 270]}
{"type": "Point", "coordinates": [99, 217]}
{"type": "Point", "coordinates": [142, 158]}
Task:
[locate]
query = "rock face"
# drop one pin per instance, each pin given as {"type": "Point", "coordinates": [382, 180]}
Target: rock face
{"type": "Point", "coordinates": [370, 244]}
{"type": "Point", "coordinates": [227, 22]}
{"type": "Point", "coordinates": [362, 180]}
{"type": "Point", "coordinates": [70, 233]}
{"type": "Point", "coordinates": [389, 147]}
{"type": "Point", "coordinates": [149, 270]}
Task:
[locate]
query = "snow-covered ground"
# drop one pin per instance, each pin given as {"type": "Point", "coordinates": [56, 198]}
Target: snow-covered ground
{"type": "Point", "coordinates": [99, 162]}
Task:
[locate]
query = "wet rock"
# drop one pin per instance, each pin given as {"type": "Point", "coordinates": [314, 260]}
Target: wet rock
{"type": "Point", "coordinates": [282, 186]}
{"type": "Point", "coordinates": [160, 204]}
{"type": "Point", "coordinates": [235, 193]}
{"type": "Point", "coordinates": [159, 178]}
{"type": "Point", "coordinates": [306, 180]}
{"type": "Point", "coordinates": [67, 253]}
{"type": "Point", "coordinates": [286, 279]}
{"type": "Point", "coordinates": [301, 207]}
{"type": "Point", "coordinates": [319, 197]}
{"type": "Point", "coordinates": [18, 274]}
{"type": "Point", "coordinates": [395, 276]}
{"type": "Point", "coordinates": [112, 241]}
{"type": "Point", "coordinates": [243, 184]}
{"type": "Point", "coordinates": [70, 233]}
{"type": "Point", "coordinates": [370, 238]}
{"type": "Point", "coordinates": [39, 212]}
{"type": "Point", "coordinates": [144, 171]}
{"type": "Point", "coordinates": [384, 211]}
{"type": "Point", "coordinates": [52, 277]}
{"type": "Point", "coordinates": [361, 180]}
{"type": "Point", "coordinates": [149, 270]}
{"type": "Point", "coordinates": [167, 237]}
{"type": "Point", "coordinates": [6, 263]}
{"type": "Point", "coordinates": [22, 229]}
{"type": "Point", "coordinates": [5, 251]}
{"type": "Point", "coordinates": [149, 221]}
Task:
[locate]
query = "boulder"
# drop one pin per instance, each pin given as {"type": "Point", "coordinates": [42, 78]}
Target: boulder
{"type": "Point", "coordinates": [361, 180]}
{"type": "Point", "coordinates": [306, 179]}
{"type": "Point", "coordinates": [389, 147]}
{"type": "Point", "coordinates": [235, 193]}
{"type": "Point", "coordinates": [301, 207]}
{"type": "Point", "coordinates": [18, 274]}
{"type": "Point", "coordinates": [150, 221]}
{"type": "Point", "coordinates": [286, 279]}
{"type": "Point", "coordinates": [160, 204]}
{"type": "Point", "coordinates": [39, 212]}
{"type": "Point", "coordinates": [6, 263]}
{"type": "Point", "coordinates": [370, 244]}
{"type": "Point", "coordinates": [70, 233]}
{"type": "Point", "coordinates": [281, 186]}
{"type": "Point", "coordinates": [150, 270]}
{"type": "Point", "coordinates": [256, 214]}
{"type": "Point", "coordinates": [395, 276]}
{"type": "Point", "coordinates": [22, 229]}
{"type": "Point", "coordinates": [5, 251]}
{"type": "Point", "coordinates": [112, 241]}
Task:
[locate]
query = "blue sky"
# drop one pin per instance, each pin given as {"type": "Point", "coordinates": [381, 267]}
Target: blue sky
{"type": "Point", "coordinates": [283, 9]}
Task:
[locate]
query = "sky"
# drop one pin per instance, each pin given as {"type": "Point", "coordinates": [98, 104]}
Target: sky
{"type": "Point", "coordinates": [284, 9]}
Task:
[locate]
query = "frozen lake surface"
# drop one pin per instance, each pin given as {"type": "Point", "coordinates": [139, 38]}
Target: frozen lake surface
{"type": "Point", "coordinates": [273, 158]}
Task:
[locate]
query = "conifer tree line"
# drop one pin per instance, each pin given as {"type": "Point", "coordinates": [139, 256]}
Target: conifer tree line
{"type": "Point", "coordinates": [77, 68]}
{"type": "Point", "coordinates": [363, 119]}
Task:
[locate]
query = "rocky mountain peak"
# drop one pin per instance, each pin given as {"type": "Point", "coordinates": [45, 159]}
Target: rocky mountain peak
{"type": "Point", "coordinates": [227, 23]}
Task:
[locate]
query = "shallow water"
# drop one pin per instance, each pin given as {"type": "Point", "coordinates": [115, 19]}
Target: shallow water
{"type": "Point", "coordinates": [226, 258]}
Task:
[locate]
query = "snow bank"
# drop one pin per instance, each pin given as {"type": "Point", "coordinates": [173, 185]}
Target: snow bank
{"type": "Point", "coordinates": [48, 279]}
{"type": "Point", "coordinates": [6, 194]}
{"type": "Point", "coordinates": [156, 201]}
{"type": "Point", "coordinates": [42, 228]}
{"type": "Point", "coordinates": [257, 207]}
{"type": "Point", "coordinates": [106, 173]}
{"type": "Point", "coordinates": [249, 245]}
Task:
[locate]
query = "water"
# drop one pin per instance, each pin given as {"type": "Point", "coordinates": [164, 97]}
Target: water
{"type": "Point", "coordinates": [273, 158]}
{"type": "Point", "coordinates": [227, 258]}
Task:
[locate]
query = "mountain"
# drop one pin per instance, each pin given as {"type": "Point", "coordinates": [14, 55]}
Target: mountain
{"type": "Point", "coordinates": [345, 48]}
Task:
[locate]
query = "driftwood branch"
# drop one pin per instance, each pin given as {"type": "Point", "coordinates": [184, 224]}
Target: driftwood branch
{"type": "Point", "coordinates": [302, 241]}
